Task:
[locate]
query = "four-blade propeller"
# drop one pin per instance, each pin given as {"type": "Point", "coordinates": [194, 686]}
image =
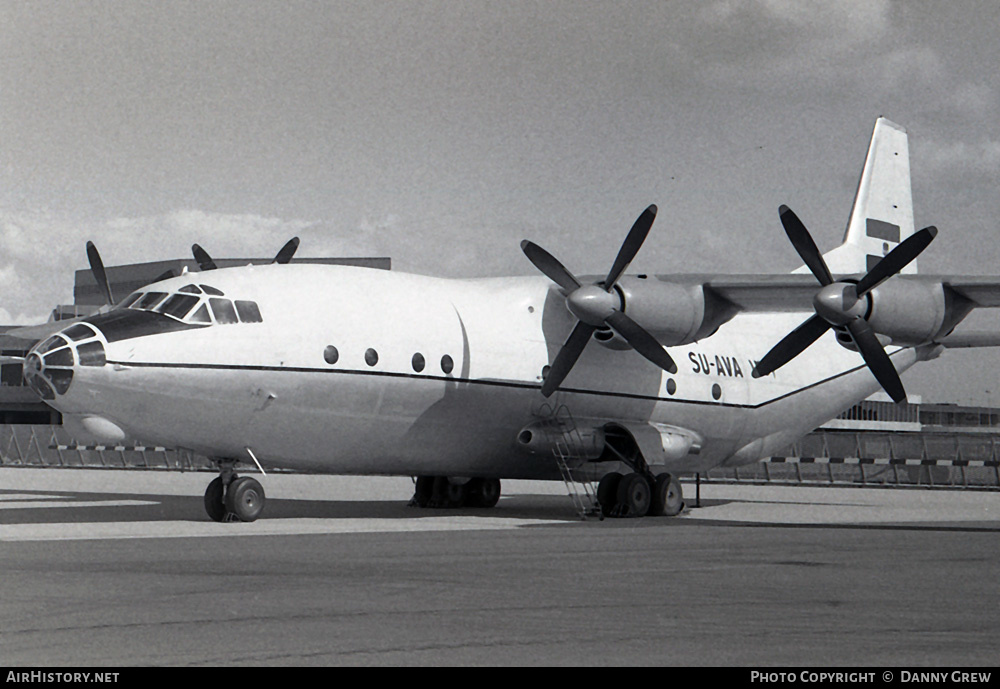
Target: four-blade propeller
{"type": "Point", "coordinates": [597, 306]}
{"type": "Point", "coordinates": [100, 276]}
{"type": "Point", "coordinates": [205, 263]}
{"type": "Point", "coordinates": [842, 305]}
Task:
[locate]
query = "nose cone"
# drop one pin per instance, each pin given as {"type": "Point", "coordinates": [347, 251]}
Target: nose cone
{"type": "Point", "coordinates": [50, 365]}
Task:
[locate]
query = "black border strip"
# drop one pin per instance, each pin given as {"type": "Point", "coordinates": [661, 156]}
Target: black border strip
{"type": "Point", "coordinates": [470, 381]}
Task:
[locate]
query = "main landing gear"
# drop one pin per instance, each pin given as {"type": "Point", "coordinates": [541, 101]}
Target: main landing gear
{"type": "Point", "coordinates": [640, 493]}
{"type": "Point", "coordinates": [441, 491]}
{"type": "Point", "coordinates": [232, 498]}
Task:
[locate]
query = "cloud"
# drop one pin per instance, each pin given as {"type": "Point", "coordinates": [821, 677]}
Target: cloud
{"type": "Point", "coordinates": [960, 157]}
{"type": "Point", "coordinates": [852, 20]}
{"type": "Point", "coordinates": [788, 36]}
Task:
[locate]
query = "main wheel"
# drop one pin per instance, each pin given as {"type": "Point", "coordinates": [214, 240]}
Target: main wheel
{"type": "Point", "coordinates": [457, 494]}
{"type": "Point", "coordinates": [245, 499]}
{"type": "Point", "coordinates": [668, 497]}
{"type": "Point", "coordinates": [634, 495]}
{"type": "Point", "coordinates": [215, 503]}
{"type": "Point", "coordinates": [424, 491]}
{"type": "Point", "coordinates": [607, 492]}
{"type": "Point", "coordinates": [484, 492]}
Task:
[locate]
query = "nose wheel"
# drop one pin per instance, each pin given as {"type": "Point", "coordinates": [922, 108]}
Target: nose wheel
{"type": "Point", "coordinates": [232, 498]}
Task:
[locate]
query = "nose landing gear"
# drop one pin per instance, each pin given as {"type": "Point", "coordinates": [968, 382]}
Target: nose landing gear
{"type": "Point", "coordinates": [233, 498]}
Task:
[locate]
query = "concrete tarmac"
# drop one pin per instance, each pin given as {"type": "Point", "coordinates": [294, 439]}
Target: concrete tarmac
{"type": "Point", "coordinates": [121, 568]}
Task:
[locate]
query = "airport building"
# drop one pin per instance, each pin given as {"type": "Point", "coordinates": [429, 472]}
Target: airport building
{"type": "Point", "coordinates": [875, 442]}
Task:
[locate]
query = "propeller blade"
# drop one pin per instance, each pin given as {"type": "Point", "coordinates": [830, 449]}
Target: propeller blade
{"type": "Point", "coordinates": [793, 344]}
{"type": "Point", "coordinates": [567, 356]}
{"type": "Point", "coordinates": [631, 245]}
{"type": "Point", "coordinates": [100, 276]}
{"type": "Point", "coordinates": [287, 251]}
{"type": "Point", "coordinates": [205, 261]}
{"type": "Point", "coordinates": [804, 245]}
{"type": "Point", "coordinates": [896, 260]}
{"type": "Point", "coordinates": [641, 341]}
{"type": "Point", "coordinates": [876, 358]}
{"type": "Point", "coordinates": [550, 266]}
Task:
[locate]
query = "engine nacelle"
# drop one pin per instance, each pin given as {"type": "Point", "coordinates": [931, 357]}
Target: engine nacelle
{"type": "Point", "coordinates": [674, 314]}
{"type": "Point", "coordinates": [912, 312]}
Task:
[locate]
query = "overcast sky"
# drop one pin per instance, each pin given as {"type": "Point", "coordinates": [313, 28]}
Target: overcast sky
{"type": "Point", "coordinates": [443, 133]}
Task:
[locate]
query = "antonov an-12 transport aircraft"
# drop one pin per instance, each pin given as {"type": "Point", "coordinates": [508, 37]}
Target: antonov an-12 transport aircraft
{"type": "Point", "coordinates": [629, 379]}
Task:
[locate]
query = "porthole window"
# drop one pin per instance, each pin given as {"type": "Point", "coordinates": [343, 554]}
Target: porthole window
{"type": "Point", "coordinates": [671, 386]}
{"type": "Point", "coordinates": [371, 357]}
{"type": "Point", "coordinates": [447, 365]}
{"type": "Point", "coordinates": [330, 354]}
{"type": "Point", "coordinates": [716, 391]}
{"type": "Point", "coordinates": [418, 362]}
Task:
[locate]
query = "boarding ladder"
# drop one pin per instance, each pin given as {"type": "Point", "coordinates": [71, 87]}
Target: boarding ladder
{"type": "Point", "coordinates": [562, 433]}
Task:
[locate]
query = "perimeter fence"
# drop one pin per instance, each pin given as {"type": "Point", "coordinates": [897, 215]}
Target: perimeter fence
{"type": "Point", "coordinates": [861, 458]}
{"type": "Point", "coordinates": [870, 458]}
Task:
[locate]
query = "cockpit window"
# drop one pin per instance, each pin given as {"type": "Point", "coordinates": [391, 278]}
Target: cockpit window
{"type": "Point", "coordinates": [177, 305]}
{"type": "Point", "coordinates": [78, 332]}
{"type": "Point", "coordinates": [248, 311]}
{"type": "Point", "coordinates": [190, 303]}
{"type": "Point", "coordinates": [201, 315]}
{"type": "Point", "coordinates": [150, 300]}
{"type": "Point", "coordinates": [223, 310]}
{"type": "Point", "coordinates": [129, 300]}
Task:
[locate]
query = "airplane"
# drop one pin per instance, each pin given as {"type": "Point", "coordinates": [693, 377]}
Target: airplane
{"type": "Point", "coordinates": [629, 381]}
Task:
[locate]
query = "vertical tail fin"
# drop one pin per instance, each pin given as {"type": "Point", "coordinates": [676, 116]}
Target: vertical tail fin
{"type": "Point", "coordinates": [882, 215]}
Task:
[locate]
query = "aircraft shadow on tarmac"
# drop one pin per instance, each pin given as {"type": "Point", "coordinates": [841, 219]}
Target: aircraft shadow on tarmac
{"type": "Point", "coordinates": [40, 507]}
{"type": "Point", "coordinates": [82, 507]}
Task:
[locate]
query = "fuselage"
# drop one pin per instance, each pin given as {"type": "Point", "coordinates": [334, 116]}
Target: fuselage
{"type": "Point", "coordinates": [359, 371]}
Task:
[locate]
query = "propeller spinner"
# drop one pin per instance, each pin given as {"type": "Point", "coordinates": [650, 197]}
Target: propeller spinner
{"type": "Point", "coordinates": [842, 305]}
{"type": "Point", "coordinates": [596, 306]}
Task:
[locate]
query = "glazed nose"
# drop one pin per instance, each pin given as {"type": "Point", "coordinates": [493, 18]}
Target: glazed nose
{"type": "Point", "coordinates": [50, 365]}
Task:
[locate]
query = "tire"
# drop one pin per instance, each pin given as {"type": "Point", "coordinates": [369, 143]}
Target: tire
{"type": "Point", "coordinates": [668, 497]}
{"type": "Point", "coordinates": [245, 499]}
{"type": "Point", "coordinates": [484, 492]}
{"type": "Point", "coordinates": [457, 494]}
{"type": "Point", "coordinates": [607, 492]}
{"type": "Point", "coordinates": [424, 491]}
{"type": "Point", "coordinates": [215, 504]}
{"type": "Point", "coordinates": [634, 495]}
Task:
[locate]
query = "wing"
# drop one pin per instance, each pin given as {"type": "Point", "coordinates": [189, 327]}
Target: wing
{"type": "Point", "coordinates": [909, 309]}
